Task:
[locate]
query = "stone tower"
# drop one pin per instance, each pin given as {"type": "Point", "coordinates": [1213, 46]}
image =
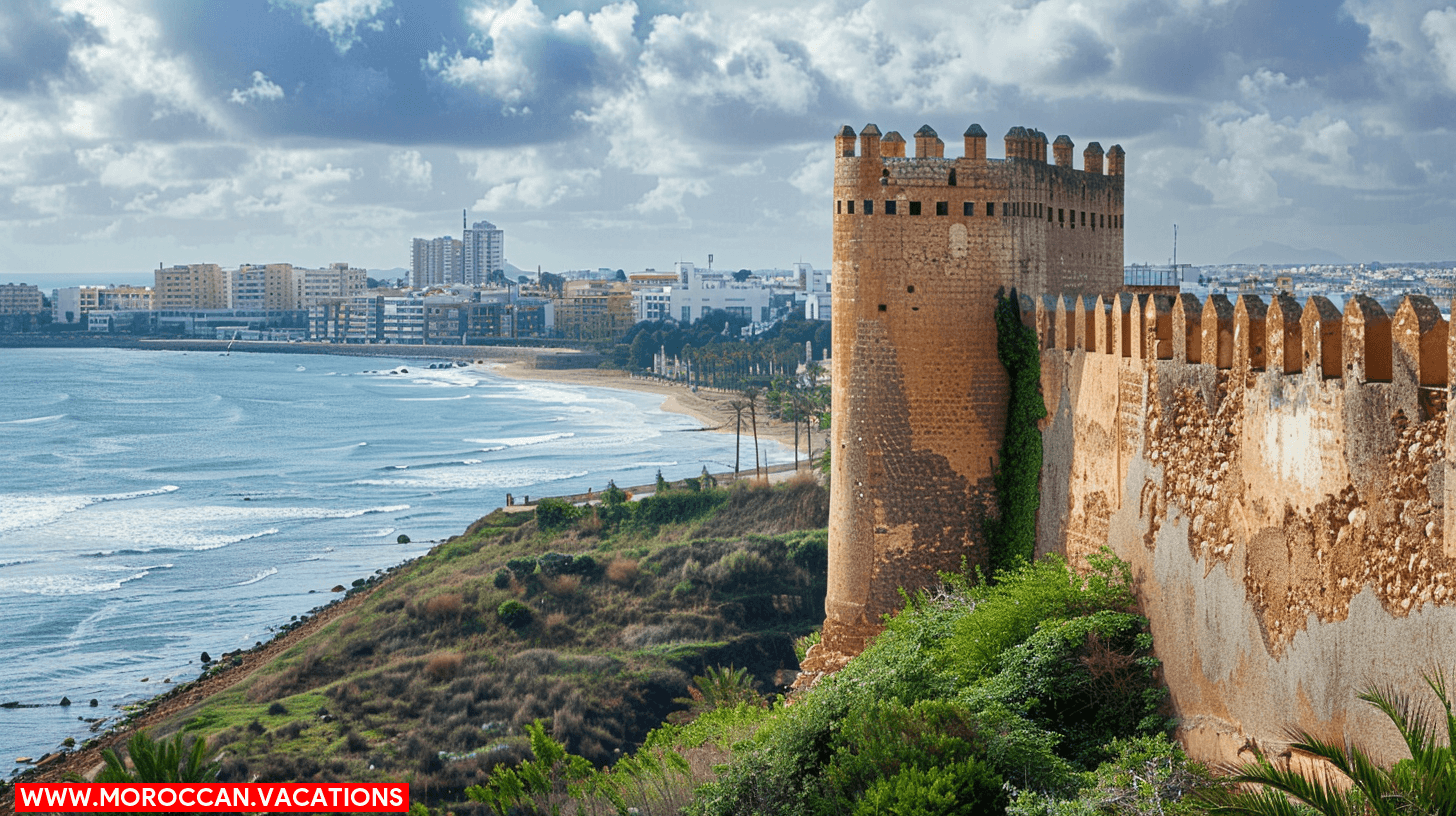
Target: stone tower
{"type": "Point", "coordinates": [922, 244]}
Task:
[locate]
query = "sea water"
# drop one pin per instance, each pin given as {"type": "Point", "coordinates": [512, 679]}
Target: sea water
{"type": "Point", "coordinates": [158, 504]}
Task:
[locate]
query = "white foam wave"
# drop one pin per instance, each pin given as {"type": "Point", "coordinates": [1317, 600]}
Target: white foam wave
{"type": "Point", "coordinates": [469, 461]}
{"type": "Point", "coordinates": [260, 576]}
{"type": "Point", "coordinates": [653, 464]}
{"type": "Point", "coordinates": [21, 512]}
{"type": "Point", "coordinates": [522, 441]}
{"type": "Point", "coordinates": [399, 467]}
{"type": "Point", "coordinates": [205, 527]}
{"type": "Point", "coordinates": [493, 449]}
{"type": "Point", "coordinates": [431, 399]}
{"type": "Point", "coordinates": [387, 531]}
{"type": "Point", "coordinates": [461, 478]}
{"type": "Point", "coordinates": [17, 562]}
{"type": "Point", "coordinates": [31, 420]}
{"type": "Point", "coordinates": [66, 584]}
{"type": "Point", "coordinates": [222, 541]}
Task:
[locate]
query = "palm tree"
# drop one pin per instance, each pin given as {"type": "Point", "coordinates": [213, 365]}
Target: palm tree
{"type": "Point", "coordinates": [1423, 784]}
{"type": "Point", "coordinates": [163, 761]}
{"type": "Point", "coordinates": [751, 395]}
{"type": "Point", "coordinates": [738, 407]}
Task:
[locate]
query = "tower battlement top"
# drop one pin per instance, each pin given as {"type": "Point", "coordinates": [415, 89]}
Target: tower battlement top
{"type": "Point", "coordinates": [1022, 144]}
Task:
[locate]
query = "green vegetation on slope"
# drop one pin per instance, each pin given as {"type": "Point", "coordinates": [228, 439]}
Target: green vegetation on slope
{"type": "Point", "coordinates": [596, 626]}
{"type": "Point", "coordinates": [1034, 695]}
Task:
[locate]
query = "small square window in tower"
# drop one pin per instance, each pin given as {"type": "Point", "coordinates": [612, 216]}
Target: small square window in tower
{"type": "Point", "coordinates": [968, 209]}
{"type": "Point", "coordinates": [851, 206]}
{"type": "Point", "coordinates": [869, 207]}
{"type": "Point", "coordinates": [990, 208]}
{"type": "Point", "coordinates": [890, 207]}
{"type": "Point", "coordinates": [942, 208]}
{"type": "Point", "coordinates": [915, 208]}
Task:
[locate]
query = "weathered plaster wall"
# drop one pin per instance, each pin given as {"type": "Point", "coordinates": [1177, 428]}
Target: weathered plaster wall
{"type": "Point", "coordinates": [1286, 528]}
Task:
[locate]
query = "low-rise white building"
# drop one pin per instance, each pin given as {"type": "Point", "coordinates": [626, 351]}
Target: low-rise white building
{"type": "Point", "coordinates": [699, 291]}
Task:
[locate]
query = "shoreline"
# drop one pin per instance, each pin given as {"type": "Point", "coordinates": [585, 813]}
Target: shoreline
{"type": "Point", "coordinates": [709, 407]}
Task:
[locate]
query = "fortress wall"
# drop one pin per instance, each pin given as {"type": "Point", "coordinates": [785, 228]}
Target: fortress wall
{"type": "Point", "coordinates": [1283, 508]}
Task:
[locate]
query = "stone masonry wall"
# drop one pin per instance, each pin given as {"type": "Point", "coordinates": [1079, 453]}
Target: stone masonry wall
{"type": "Point", "coordinates": [1277, 475]}
{"type": "Point", "coordinates": [922, 245]}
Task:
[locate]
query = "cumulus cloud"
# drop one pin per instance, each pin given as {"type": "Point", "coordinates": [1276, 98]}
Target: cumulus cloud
{"type": "Point", "coordinates": [343, 19]}
{"type": "Point", "coordinates": [1440, 27]}
{"type": "Point", "coordinates": [260, 89]}
{"type": "Point", "coordinates": [131, 121]}
{"type": "Point", "coordinates": [531, 57]}
{"type": "Point", "coordinates": [530, 178]}
{"type": "Point", "coordinates": [409, 169]}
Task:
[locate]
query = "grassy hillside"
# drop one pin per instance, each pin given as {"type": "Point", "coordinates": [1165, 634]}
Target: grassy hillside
{"type": "Point", "coordinates": [595, 624]}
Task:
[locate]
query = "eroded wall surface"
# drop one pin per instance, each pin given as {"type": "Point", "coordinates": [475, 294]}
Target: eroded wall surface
{"type": "Point", "coordinates": [1284, 513]}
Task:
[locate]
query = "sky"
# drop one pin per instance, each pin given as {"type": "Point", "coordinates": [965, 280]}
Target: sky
{"type": "Point", "coordinates": [635, 134]}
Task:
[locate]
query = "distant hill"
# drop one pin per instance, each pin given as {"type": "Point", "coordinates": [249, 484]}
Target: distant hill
{"type": "Point", "coordinates": [1270, 252]}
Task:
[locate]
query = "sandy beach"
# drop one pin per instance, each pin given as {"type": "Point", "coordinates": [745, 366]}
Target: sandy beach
{"type": "Point", "coordinates": [708, 406]}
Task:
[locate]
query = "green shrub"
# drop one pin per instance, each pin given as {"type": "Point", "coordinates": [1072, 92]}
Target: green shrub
{"type": "Point", "coordinates": [501, 579]}
{"type": "Point", "coordinates": [677, 507]}
{"type": "Point", "coordinates": [1146, 775]}
{"type": "Point", "coordinates": [811, 551]}
{"type": "Point", "coordinates": [523, 568]}
{"type": "Point", "coordinates": [1007, 612]}
{"type": "Point", "coordinates": [554, 514]}
{"type": "Point", "coordinates": [1091, 679]}
{"type": "Point", "coordinates": [513, 613]}
{"type": "Point", "coordinates": [719, 687]}
{"type": "Point", "coordinates": [968, 788]}
{"type": "Point", "coordinates": [882, 738]}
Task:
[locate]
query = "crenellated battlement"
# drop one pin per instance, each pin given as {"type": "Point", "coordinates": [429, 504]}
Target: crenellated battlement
{"type": "Point", "coordinates": [1362, 344]}
{"type": "Point", "coordinates": [1021, 143]}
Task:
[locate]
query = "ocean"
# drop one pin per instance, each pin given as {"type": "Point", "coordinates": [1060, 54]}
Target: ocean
{"type": "Point", "coordinates": [158, 504]}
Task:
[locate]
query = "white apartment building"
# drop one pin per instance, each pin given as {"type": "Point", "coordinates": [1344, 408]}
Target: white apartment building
{"type": "Point", "coordinates": [653, 303]}
{"type": "Point", "coordinates": [483, 251]}
{"type": "Point", "coordinates": [435, 261]}
{"type": "Point", "coordinates": [815, 284]}
{"type": "Point", "coordinates": [73, 303]}
{"type": "Point", "coordinates": [699, 292]}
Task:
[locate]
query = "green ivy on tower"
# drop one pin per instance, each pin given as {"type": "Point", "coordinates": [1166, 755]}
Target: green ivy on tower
{"type": "Point", "coordinates": [1012, 536]}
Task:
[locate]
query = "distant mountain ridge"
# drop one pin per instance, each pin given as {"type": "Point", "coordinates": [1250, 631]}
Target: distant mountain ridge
{"type": "Point", "coordinates": [1270, 252]}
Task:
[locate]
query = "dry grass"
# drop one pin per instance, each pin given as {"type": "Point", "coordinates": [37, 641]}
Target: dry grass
{"type": "Point", "coordinates": [561, 585]}
{"type": "Point", "coordinates": [622, 571]}
{"type": "Point", "coordinates": [443, 666]}
{"type": "Point", "coordinates": [448, 605]}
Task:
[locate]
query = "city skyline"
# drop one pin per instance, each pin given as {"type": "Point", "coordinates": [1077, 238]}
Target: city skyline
{"type": "Point", "coordinates": [633, 134]}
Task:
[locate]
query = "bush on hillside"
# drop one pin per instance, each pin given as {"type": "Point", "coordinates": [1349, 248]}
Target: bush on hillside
{"type": "Point", "coordinates": [513, 613]}
{"type": "Point", "coordinates": [554, 514]}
